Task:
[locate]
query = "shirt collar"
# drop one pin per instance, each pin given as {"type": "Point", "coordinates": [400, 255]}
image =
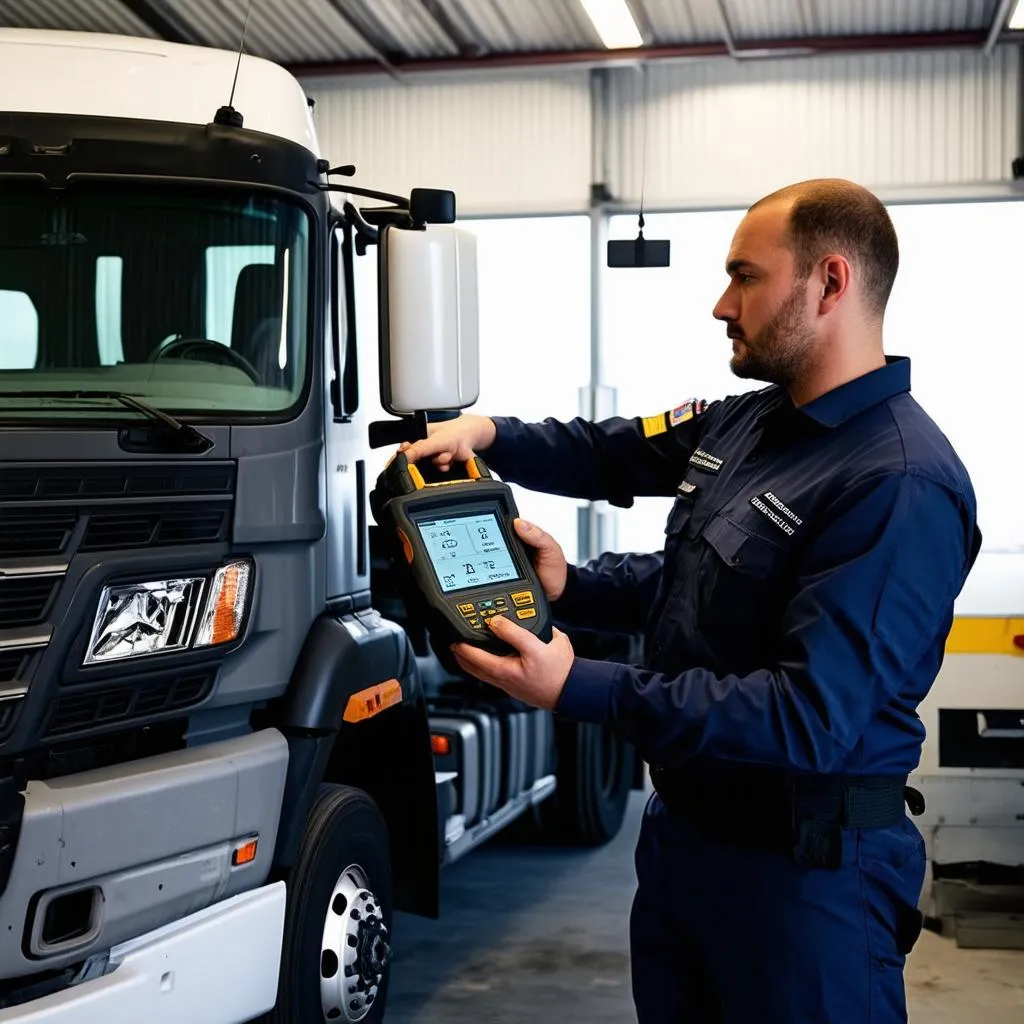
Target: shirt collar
{"type": "Point", "coordinates": [840, 404]}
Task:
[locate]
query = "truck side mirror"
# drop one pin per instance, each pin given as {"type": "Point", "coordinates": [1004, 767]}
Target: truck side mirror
{"type": "Point", "coordinates": [432, 206]}
{"type": "Point", "coordinates": [429, 321]}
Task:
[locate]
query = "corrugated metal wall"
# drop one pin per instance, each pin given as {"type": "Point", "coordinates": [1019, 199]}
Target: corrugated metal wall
{"type": "Point", "coordinates": [719, 132]}
{"type": "Point", "coordinates": [519, 145]}
{"type": "Point", "coordinates": [722, 130]}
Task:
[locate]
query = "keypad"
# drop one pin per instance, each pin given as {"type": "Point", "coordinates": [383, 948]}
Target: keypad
{"type": "Point", "coordinates": [477, 614]}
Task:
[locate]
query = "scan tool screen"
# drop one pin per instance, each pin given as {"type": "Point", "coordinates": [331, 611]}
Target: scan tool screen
{"type": "Point", "coordinates": [467, 551]}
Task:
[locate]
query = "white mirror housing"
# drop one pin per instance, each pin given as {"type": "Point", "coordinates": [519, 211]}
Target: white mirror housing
{"type": "Point", "coordinates": [429, 319]}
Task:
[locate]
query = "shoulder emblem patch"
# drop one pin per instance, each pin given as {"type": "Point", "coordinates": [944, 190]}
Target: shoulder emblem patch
{"type": "Point", "coordinates": [676, 417]}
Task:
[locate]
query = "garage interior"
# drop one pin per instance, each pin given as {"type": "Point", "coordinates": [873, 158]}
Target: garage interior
{"type": "Point", "coordinates": [553, 140]}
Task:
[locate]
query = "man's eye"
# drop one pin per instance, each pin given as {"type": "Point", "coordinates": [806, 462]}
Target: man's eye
{"type": "Point", "coordinates": [744, 278]}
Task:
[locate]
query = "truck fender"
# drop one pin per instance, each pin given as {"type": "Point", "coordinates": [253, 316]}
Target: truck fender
{"type": "Point", "coordinates": [380, 747]}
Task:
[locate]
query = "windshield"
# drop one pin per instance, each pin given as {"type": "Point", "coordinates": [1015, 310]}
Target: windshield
{"type": "Point", "coordinates": [194, 302]}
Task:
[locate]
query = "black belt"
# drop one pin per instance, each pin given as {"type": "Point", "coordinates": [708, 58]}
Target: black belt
{"type": "Point", "coordinates": [766, 809]}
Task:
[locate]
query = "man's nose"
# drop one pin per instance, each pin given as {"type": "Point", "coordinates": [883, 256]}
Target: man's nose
{"type": "Point", "coordinates": [725, 308]}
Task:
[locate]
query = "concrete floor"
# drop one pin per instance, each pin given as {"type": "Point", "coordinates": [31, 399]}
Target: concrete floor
{"type": "Point", "coordinates": [531, 933]}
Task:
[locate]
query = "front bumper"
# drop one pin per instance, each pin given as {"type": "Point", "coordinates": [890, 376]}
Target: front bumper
{"type": "Point", "coordinates": [217, 966]}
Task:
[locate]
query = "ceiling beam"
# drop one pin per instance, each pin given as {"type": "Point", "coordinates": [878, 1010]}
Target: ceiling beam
{"type": "Point", "coordinates": [466, 46]}
{"type": "Point", "coordinates": [166, 24]}
{"type": "Point", "coordinates": [771, 48]}
{"type": "Point", "coordinates": [998, 26]}
{"type": "Point", "coordinates": [375, 48]}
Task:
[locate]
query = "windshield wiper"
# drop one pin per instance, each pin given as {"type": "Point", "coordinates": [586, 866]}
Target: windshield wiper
{"type": "Point", "coordinates": [186, 438]}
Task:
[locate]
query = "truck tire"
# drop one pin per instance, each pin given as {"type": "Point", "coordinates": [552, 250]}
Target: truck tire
{"type": "Point", "coordinates": [337, 933]}
{"type": "Point", "coordinates": [595, 775]}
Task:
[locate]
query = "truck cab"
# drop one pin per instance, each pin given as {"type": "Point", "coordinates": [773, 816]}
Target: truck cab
{"type": "Point", "coordinates": [219, 728]}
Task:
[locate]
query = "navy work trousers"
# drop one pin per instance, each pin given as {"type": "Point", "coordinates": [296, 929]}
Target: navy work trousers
{"type": "Point", "coordinates": [728, 934]}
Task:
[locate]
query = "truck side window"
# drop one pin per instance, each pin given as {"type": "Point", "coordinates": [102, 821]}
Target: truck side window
{"type": "Point", "coordinates": [224, 265]}
{"type": "Point", "coordinates": [19, 331]}
{"type": "Point", "coordinates": [108, 309]}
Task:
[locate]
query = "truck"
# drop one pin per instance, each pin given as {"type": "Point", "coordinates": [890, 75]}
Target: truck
{"type": "Point", "coordinates": [228, 753]}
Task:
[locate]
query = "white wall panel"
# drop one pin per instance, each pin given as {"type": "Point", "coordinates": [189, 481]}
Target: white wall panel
{"type": "Point", "coordinates": [515, 145]}
{"type": "Point", "coordinates": [723, 132]}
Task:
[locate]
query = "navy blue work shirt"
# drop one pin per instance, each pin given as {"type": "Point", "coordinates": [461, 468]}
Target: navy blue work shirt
{"type": "Point", "coordinates": [798, 613]}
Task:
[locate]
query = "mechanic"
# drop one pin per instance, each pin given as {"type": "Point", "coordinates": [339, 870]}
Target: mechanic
{"type": "Point", "coordinates": [795, 619]}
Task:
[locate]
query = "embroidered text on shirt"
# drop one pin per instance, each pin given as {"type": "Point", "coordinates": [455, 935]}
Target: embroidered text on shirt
{"type": "Point", "coordinates": [768, 496]}
{"type": "Point", "coordinates": [772, 515]}
{"type": "Point", "coordinates": [706, 460]}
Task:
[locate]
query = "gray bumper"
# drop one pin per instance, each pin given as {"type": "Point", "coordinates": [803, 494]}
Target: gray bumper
{"type": "Point", "coordinates": [151, 839]}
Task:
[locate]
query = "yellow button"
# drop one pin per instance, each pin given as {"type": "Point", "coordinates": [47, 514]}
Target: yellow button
{"type": "Point", "coordinates": [466, 609]}
{"type": "Point", "coordinates": [526, 613]}
{"type": "Point", "coordinates": [523, 597]}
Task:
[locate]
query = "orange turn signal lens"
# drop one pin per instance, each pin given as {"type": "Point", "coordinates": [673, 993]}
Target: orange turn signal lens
{"type": "Point", "coordinates": [373, 700]}
{"type": "Point", "coordinates": [244, 854]}
{"type": "Point", "coordinates": [441, 745]}
{"type": "Point", "coordinates": [225, 605]}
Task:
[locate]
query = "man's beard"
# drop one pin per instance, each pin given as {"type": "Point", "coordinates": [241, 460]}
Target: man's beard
{"type": "Point", "coordinates": [782, 349]}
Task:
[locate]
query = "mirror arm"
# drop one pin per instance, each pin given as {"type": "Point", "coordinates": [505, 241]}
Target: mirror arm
{"type": "Point", "coordinates": [393, 432]}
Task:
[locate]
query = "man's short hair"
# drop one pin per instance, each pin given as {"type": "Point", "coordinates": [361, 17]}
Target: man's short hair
{"type": "Point", "coordinates": [833, 215]}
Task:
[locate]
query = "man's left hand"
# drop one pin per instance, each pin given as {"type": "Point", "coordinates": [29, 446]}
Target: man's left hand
{"type": "Point", "coordinates": [535, 673]}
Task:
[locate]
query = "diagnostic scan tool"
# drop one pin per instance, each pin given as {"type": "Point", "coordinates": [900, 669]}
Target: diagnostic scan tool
{"type": "Point", "coordinates": [457, 552]}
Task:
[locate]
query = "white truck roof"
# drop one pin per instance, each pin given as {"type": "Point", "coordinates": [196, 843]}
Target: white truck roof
{"type": "Point", "coordinates": [90, 73]}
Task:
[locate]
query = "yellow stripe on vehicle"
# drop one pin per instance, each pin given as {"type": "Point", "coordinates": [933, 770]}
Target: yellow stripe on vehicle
{"type": "Point", "coordinates": [985, 635]}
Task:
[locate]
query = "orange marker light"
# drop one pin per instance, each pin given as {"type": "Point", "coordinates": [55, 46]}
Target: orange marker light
{"type": "Point", "coordinates": [245, 853]}
{"type": "Point", "coordinates": [441, 745]}
{"type": "Point", "coordinates": [225, 619]}
{"type": "Point", "coordinates": [225, 606]}
{"type": "Point", "coordinates": [372, 701]}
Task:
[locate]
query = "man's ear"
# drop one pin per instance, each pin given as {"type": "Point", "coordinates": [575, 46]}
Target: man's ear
{"type": "Point", "coordinates": [834, 277]}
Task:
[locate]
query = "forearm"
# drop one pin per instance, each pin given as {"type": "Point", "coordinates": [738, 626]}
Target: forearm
{"type": "Point", "coordinates": [608, 461]}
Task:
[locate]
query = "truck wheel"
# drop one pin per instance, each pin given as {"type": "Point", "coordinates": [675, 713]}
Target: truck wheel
{"type": "Point", "coordinates": [595, 776]}
{"type": "Point", "coordinates": [337, 933]}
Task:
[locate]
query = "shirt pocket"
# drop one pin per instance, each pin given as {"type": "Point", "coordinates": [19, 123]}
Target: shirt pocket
{"type": "Point", "coordinates": [743, 584]}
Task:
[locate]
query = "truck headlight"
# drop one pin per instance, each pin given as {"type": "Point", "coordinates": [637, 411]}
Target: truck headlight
{"type": "Point", "coordinates": [161, 616]}
{"type": "Point", "coordinates": [144, 618]}
{"type": "Point", "coordinates": [225, 605]}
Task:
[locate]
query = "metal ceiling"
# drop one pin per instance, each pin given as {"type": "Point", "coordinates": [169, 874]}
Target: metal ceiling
{"type": "Point", "coordinates": [359, 36]}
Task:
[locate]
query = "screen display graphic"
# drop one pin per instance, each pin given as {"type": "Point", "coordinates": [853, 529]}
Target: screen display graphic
{"type": "Point", "coordinates": [467, 551]}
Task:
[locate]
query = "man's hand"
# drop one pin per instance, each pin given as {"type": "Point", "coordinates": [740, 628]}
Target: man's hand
{"type": "Point", "coordinates": [548, 560]}
{"type": "Point", "coordinates": [452, 441]}
{"type": "Point", "coordinates": [536, 673]}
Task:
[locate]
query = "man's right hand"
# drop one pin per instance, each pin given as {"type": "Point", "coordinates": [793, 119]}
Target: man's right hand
{"type": "Point", "coordinates": [548, 560]}
{"type": "Point", "coordinates": [453, 440]}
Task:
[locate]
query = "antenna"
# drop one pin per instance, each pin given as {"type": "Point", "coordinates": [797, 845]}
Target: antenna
{"type": "Point", "coordinates": [228, 115]}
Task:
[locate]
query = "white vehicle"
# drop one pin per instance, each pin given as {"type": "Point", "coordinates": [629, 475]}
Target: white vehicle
{"type": "Point", "coordinates": [221, 766]}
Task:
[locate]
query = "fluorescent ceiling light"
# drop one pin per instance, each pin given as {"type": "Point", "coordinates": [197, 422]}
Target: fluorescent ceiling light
{"type": "Point", "coordinates": [615, 25]}
{"type": "Point", "coordinates": [1017, 18]}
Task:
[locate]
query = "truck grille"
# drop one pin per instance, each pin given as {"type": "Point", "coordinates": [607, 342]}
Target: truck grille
{"type": "Point", "coordinates": [136, 528]}
{"type": "Point", "coordinates": [128, 701]}
{"type": "Point", "coordinates": [116, 481]}
{"type": "Point", "coordinates": [10, 665]}
{"type": "Point", "coordinates": [56, 510]}
{"type": "Point", "coordinates": [35, 532]}
{"type": "Point", "coordinates": [24, 599]}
